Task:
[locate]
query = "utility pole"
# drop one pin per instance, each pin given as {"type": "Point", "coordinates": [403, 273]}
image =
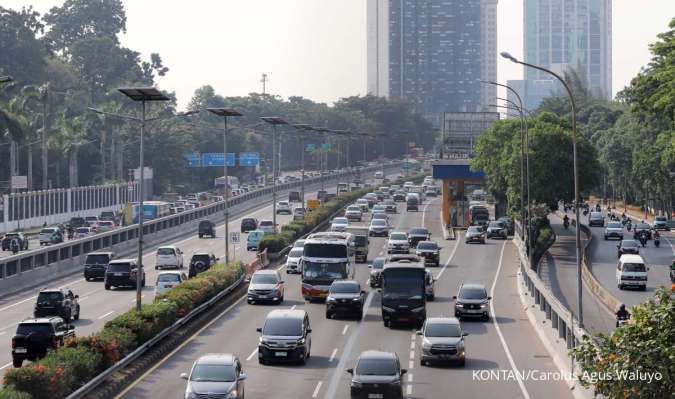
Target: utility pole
{"type": "Point", "coordinates": [264, 80]}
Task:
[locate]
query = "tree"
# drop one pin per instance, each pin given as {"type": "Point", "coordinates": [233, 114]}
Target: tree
{"type": "Point", "coordinates": [643, 346]}
{"type": "Point", "coordinates": [23, 55]}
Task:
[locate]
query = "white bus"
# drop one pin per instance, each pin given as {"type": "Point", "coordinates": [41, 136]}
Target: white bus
{"type": "Point", "coordinates": [324, 260]}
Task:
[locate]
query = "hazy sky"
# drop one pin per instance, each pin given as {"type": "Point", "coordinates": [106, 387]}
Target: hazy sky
{"type": "Point", "coordinates": [317, 48]}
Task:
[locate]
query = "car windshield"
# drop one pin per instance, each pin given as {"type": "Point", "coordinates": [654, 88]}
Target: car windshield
{"type": "Point", "coordinates": [398, 237]}
{"type": "Point", "coordinates": [345, 288]}
{"type": "Point", "coordinates": [427, 245]}
{"type": "Point", "coordinates": [634, 267]}
{"type": "Point", "coordinates": [353, 209]}
{"type": "Point", "coordinates": [168, 278]}
{"type": "Point", "coordinates": [213, 373]}
{"type": "Point", "coordinates": [376, 367]}
{"type": "Point", "coordinates": [614, 225]}
{"type": "Point", "coordinates": [380, 216]}
{"type": "Point", "coordinates": [474, 229]}
{"type": "Point", "coordinates": [47, 231]}
{"type": "Point", "coordinates": [47, 298]}
{"type": "Point", "coordinates": [629, 243]}
{"type": "Point", "coordinates": [37, 329]}
{"type": "Point", "coordinates": [442, 330]}
{"type": "Point", "coordinates": [378, 222]}
{"type": "Point", "coordinates": [82, 230]}
{"type": "Point", "coordinates": [378, 263]}
{"type": "Point", "coordinates": [97, 260]}
{"type": "Point", "coordinates": [340, 221]}
{"type": "Point", "coordinates": [643, 226]}
{"type": "Point", "coordinates": [660, 218]}
{"type": "Point", "coordinates": [119, 267]}
{"type": "Point", "coordinates": [361, 241]}
{"type": "Point", "coordinates": [419, 232]}
{"type": "Point", "coordinates": [266, 223]}
{"type": "Point", "coordinates": [283, 327]}
{"type": "Point", "coordinates": [378, 208]}
{"type": "Point", "coordinates": [165, 251]}
{"type": "Point", "coordinates": [495, 224]}
{"type": "Point", "coordinates": [264, 278]}
{"type": "Point", "coordinates": [472, 293]}
{"type": "Point", "coordinates": [299, 243]}
{"type": "Point", "coordinates": [295, 253]}
{"type": "Point", "coordinates": [105, 223]}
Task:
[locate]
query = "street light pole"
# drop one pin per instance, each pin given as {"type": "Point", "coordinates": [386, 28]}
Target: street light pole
{"type": "Point", "coordinates": [302, 127]}
{"type": "Point", "coordinates": [274, 121]}
{"type": "Point", "coordinates": [576, 176]}
{"type": "Point", "coordinates": [225, 112]}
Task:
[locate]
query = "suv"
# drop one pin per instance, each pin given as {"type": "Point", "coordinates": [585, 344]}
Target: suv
{"type": "Point", "coordinates": [418, 234]}
{"type": "Point", "coordinates": [169, 257]}
{"type": "Point", "coordinates": [442, 341]}
{"type": "Point", "coordinates": [345, 297]}
{"type": "Point", "coordinates": [412, 202]}
{"type": "Point", "coordinates": [628, 247]}
{"type": "Point", "coordinates": [285, 336]}
{"type": "Point", "coordinates": [108, 216]}
{"type": "Point", "coordinates": [614, 229]}
{"type": "Point", "coordinates": [201, 262]}
{"type": "Point", "coordinates": [472, 300]}
{"type": "Point", "coordinates": [122, 273]}
{"type": "Point", "coordinates": [265, 286]}
{"type": "Point", "coordinates": [294, 196]}
{"type": "Point", "coordinates": [642, 228]}
{"type": "Point", "coordinates": [430, 251]}
{"type": "Point", "coordinates": [284, 207]}
{"type": "Point", "coordinates": [353, 213]}
{"type": "Point", "coordinates": [398, 243]}
{"type": "Point", "coordinates": [248, 224]}
{"type": "Point", "coordinates": [7, 241]}
{"type": "Point", "coordinates": [215, 372]}
{"type": "Point", "coordinates": [207, 228]}
{"type": "Point", "coordinates": [497, 229]}
{"type": "Point", "coordinates": [375, 279]}
{"type": "Point", "coordinates": [474, 233]}
{"type": "Point", "coordinates": [96, 263]}
{"type": "Point", "coordinates": [377, 375]}
{"type": "Point", "coordinates": [661, 223]}
{"type": "Point", "coordinates": [35, 337]}
{"type": "Point", "coordinates": [596, 219]}
{"type": "Point", "coordinates": [631, 271]}
{"type": "Point", "coordinates": [57, 302]}
{"type": "Point", "coordinates": [76, 222]}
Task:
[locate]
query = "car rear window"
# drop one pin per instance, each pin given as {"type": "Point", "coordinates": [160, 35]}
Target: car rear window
{"type": "Point", "coordinates": [38, 329]}
{"type": "Point", "coordinates": [97, 259]}
{"type": "Point", "coordinates": [376, 367]}
{"type": "Point", "coordinates": [201, 258]}
{"type": "Point", "coordinates": [266, 223]}
{"type": "Point", "coordinates": [166, 251]}
{"type": "Point", "coordinates": [119, 267]}
{"type": "Point", "coordinates": [295, 253]}
{"type": "Point", "coordinates": [48, 298]}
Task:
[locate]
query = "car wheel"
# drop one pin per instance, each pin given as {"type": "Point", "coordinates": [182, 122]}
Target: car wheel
{"type": "Point", "coordinates": [462, 362]}
{"type": "Point", "coordinates": [87, 279]}
{"type": "Point", "coordinates": [107, 287]}
{"type": "Point", "coordinates": [201, 236]}
{"type": "Point", "coordinates": [17, 363]}
{"type": "Point", "coordinates": [620, 286]}
{"type": "Point", "coordinates": [77, 315]}
{"type": "Point", "coordinates": [328, 315]}
{"type": "Point", "coordinates": [156, 267]}
{"type": "Point", "coordinates": [262, 361]}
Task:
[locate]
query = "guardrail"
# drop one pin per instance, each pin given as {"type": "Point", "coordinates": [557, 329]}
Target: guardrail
{"type": "Point", "coordinates": [43, 264]}
{"type": "Point", "coordinates": [96, 381]}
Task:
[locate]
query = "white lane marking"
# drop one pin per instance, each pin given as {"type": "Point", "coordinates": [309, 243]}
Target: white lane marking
{"type": "Point", "coordinates": [447, 262]}
{"type": "Point", "coordinates": [411, 364]}
{"type": "Point", "coordinates": [412, 347]}
{"type": "Point", "coordinates": [332, 355]}
{"type": "Point", "coordinates": [293, 307]}
{"type": "Point", "coordinates": [672, 249]}
{"type": "Point", "coordinates": [18, 303]}
{"type": "Point", "coordinates": [103, 316]}
{"type": "Point", "coordinates": [408, 390]}
{"type": "Point", "coordinates": [521, 384]}
{"type": "Point", "coordinates": [5, 366]}
{"type": "Point", "coordinates": [316, 390]}
{"type": "Point", "coordinates": [344, 330]}
{"type": "Point", "coordinates": [410, 378]}
{"type": "Point", "coordinates": [424, 211]}
{"type": "Point", "coordinates": [3, 332]}
{"type": "Point", "coordinates": [252, 354]}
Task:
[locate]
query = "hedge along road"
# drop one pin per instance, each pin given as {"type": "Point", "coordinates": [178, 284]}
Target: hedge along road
{"type": "Point", "coordinates": [98, 305]}
{"type": "Point", "coordinates": [337, 343]}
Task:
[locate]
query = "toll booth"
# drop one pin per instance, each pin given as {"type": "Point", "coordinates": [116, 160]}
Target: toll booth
{"type": "Point", "coordinates": [456, 175]}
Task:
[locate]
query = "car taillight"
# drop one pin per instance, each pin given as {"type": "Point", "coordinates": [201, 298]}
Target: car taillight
{"type": "Point", "coordinates": [13, 343]}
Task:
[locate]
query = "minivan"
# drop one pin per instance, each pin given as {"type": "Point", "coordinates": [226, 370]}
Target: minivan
{"type": "Point", "coordinates": [96, 263]}
{"type": "Point", "coordinates": [412, 202]}
{"type": "Point", "coordinates": [169, 257]}
{"type": "Point", "coordinates": [122, 273]}
{"type": "Point", "coordinates": [631, 271]}
{"type": "Point", "coordinates": [285, 336]}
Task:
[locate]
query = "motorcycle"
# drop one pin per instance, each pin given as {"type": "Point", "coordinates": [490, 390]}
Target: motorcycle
{"type": "Point", "coordinates": [629, 226]}
{"type": "Point", "coordinates": [622, 321]}
{"type": "Point", "coordinates": [657, 240]}
{"type": "Point", "coordinates": [643, 240]}
{"type": "Point", "coordinates": [566, 224]}
{"type": "Point", "coordinates": [14, 246]}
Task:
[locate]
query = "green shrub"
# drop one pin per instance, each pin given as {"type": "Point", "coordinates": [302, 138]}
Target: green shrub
{"type": "Point", "coordinates": [274, 243]}
{"type": "Point", "coordinates": [8, 392]}
{"type": "Point", "coordinates": [37, 380]}
{"type": "Point", "coordinates": [79, 364]}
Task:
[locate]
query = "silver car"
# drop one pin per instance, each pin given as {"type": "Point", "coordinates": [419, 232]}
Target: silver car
{"type": "Point", "coordinates": [215, 375]}
{"type": "Point", "coordinates": [614, 230]}
{"type": "Point", "coordinates": [354, 213]}
{"type": "Point", "coordinates": [442, 341]}
{"type": "Point", "coordinates": [266, 286]}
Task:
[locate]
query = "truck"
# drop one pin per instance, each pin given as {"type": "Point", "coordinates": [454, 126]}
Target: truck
{"type": "Point", "coordinates": [480, 216]}
{"type": "Point", "coordinates": [361, 242]}
{"type": "Point", "coordinates": [403, 293]}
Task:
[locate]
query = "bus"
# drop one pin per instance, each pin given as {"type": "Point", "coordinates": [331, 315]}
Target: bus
{"type": "Point", "coordinates": [324, 260]}
{"type": "Point", "coordinates": [403, 293]}
{"type": "Point", "coordinates": [151, 210]}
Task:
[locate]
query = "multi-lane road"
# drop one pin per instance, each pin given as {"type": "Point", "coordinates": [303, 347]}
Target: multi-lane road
{"type": "Point", "coordinates": [98, 305]}
{"type": "Point", "coordinates": [495, 349]}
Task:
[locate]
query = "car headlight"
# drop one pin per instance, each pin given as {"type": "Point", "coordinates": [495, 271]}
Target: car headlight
{"type": "Point", "coordinates": [301, 341]}
{"type": "Point", "coordinates": [356, 299]}
{"type": "Point", "coordinates": [232, 395]}
{"type": "Point", "coordinates": [417, 310]}
{"type": "Point", "coordinates": [330, 299]}
{"type": "Point", "coordinates": [356, 384]}
{"type": "Point", "coordinates": [483, 305]}
{"type": "Point", "coordinates": [426, 344]}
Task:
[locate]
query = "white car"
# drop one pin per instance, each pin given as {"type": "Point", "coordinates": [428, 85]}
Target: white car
{"type": "Point", "coordinates": [92, 221]}
{"type": "Point", "coordinates": [293, 260]}
{"type": "Point", "coordinates": [299, 244]}
{"type": "Point", "coordinates": [284, 207]}
{"type": "Point", "coordinates": [169, 257]}
{"type": "Point", "coordinates": [339, 224]}
{"type": "Point", "coordinates": [105, 225]}
{"type": "Point", "coordinates": [266, 226]}
{"type": "Point", "coordinates": [298, 213]}
{"type": "Point", "coordinates": [378, 227]}
{"type": "Point", "coordinates": [631, 271]}
{"type": "Point", "coordinates": [398, 243]}
{"type": "Point", "coordinates": [354, 213]}
{"type": "Point", "coordinates": [167, 280]}
{"type": "Point", "coordinates": [363, 203]}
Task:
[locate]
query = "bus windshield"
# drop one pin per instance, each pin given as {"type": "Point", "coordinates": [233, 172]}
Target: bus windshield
{"type": "Point", "coordinates": [403, 284]}
{"type": "Point", "coordinates": [324, 271]}
{"type": "Point", "coordinates": [333, 251]}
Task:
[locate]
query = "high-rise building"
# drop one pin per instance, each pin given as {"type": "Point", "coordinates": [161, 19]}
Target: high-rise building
{"type": "Point", "coordinates": [433, 53]}
{"type": "Point", "coordinates": [564, 35]}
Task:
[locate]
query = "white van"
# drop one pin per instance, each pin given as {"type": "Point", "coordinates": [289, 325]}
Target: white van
{"type": "Point", "coordinates": [169, 257]}
{"type": "Point", "coordinates": [631, 272]}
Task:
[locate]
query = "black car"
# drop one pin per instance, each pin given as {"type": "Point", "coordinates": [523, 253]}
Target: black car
{"type": "Point", "coordinates": [628, 247]}
{"type": "Point", "coordinates": [57, 302]}
{"type": "Point", "coordinates": [201, 262]}
{"type": "Point", "coordinates": [294, 196]}
{"type": "Point", "coordinates": [377, 375]}
{"type": "Point", "coordinates": [96, 263]}
{"type": "Point", "coordinates": [399, 196]}
{"type": "Point", "coordinates": [473, 301]}
{"type": "Point", "coordinates": [496, 229]}
{"type": "Point", "coordinates": [345, 297]}
{"type": "Point", "coordinates": [418, 234]}
{"type": "Point", "coordinates": [642, 228]}
{"type": "Point", "coordinates": [76, 222]}
{"type": "Point", "coordinates": [375, 280]}
{"type": "Point", "coordinates": [285, 336]}
{"type": "Point", "coordinates": [430, 251]}
{"type": "Point", "coordinates": [7, 241]}
{"type": "Point", "coordinates": [248, 224]}
{"type": "Point", "coordinates": [35, 337]}
{"type": "Point", "coordinates": [122, 273]}
{"type": "Point", "coordinates": [207, 228]}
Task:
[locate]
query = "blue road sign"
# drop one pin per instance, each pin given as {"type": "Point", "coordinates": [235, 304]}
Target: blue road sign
{"type": "Point", "coordinates": [325, 146]}
{"type": "Point", "coordinates": [217, 159]}
{"type": "Point", "coordinates": [193, 160]}
{"type": "Point", "coordinates": [249, 159]}
{"type": "Point", "coordinates": [310, 147]}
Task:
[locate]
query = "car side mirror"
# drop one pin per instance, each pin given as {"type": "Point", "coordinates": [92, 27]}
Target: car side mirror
{"type": "Point", "coordinates": [464, 334]}
{"type": "Point", "coordinates": [350, 371]}
{"type": "Point", "coordinates": [77, 296]}
{"type": "Point", "coordinates": [418, 332]}
{"type": "Point", "coordinates": [259, 329]}
{"type": "Point", "coordinates": [242, 376]}
{"type": "Point", "coordinates": [489, 298]}
{"type": "Point", "coordinates": [454, 297]}
{"type": "Point", "coordinates": [364, 292]}
{"type": "Point", "coordinates": [184, 376]}
{"type": "Point", "coordinates": [403, 371]}
{"type": "Point", "coordinates": [309, 331]}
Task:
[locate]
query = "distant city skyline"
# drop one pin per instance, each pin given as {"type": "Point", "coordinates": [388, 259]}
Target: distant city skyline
{"type": "Point", "coordinates": [318, 49]}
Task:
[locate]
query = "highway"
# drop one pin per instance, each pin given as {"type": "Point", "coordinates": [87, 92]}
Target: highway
{"type": "Point", "coordinates": [98, 305]}
{"type": "Point", "coordinates": [505, 343]}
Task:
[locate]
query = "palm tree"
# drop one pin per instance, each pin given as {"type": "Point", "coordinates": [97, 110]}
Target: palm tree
{"type": "Point", "coordinates": [12, 130]}
{"type": "Point", "coordinates": [69, 136]}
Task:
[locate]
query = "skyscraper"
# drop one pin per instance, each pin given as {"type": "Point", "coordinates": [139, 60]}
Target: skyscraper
{"type": "Point", "coordinates": [433, 53]}
{"type": "Point", "coordinates": [568, 34]}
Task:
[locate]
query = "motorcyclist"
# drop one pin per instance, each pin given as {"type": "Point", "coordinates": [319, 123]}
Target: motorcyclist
{"type": "Point", "coordinates": [643, 238]}
{"type": "Point", "coordinates": [71, 232]}
{"type": "Point", "coordinates": [629, 225]}
{"type": "Point", "coordinates": [566, 221]}
{"type": "Point", "coordinates": [622, 314]}
{"type": "Point", "coordinates": [14, 246]}
{"type": "Point", "coordinates": [657, 238]}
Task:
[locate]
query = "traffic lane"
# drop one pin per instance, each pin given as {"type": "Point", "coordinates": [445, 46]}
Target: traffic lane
{"type": "Point", "coordinates": [528, 353]}
{"type": "Point", "coordinates": [604, 259]}
{"type": "Point", "coordinates": [296, 381]}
